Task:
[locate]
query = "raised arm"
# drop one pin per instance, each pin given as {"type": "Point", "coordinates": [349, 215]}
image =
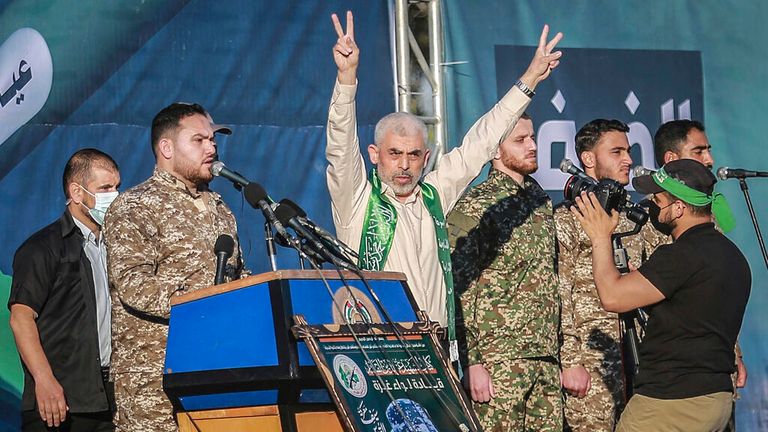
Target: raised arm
{"type": "Point", "coordinates": [346, 54]}
{"type": "Point", "coordinates": [457, 168]}
{"type": "Point", "coordinates": [345, 175]}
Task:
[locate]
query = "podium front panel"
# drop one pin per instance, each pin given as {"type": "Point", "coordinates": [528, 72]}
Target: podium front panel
{"type": "Point", "coordinates": [231, 346]}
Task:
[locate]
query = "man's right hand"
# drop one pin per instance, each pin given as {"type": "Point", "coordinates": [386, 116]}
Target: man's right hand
{"type": "Point", "coordinates": [50, 400]}
{"type": "Point", "coordinates": [544, 60]}
{"type": "Point", "coordinates": [577, 381]}
{"type": "Point", "coordinates": [346, 54]}
{"type": "Point", "coordinates": [480, 385]}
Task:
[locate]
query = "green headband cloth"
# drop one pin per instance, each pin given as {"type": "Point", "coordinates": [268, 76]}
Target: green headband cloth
{"type": "Point", "coordinates": [720, 207]}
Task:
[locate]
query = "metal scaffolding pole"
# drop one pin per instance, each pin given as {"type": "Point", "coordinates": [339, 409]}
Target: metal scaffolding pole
{"type": "Point", "coordinates": [406, 47]}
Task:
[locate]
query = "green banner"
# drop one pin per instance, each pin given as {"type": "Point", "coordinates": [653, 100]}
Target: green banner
{"type": "Point", "coordinates": [384, 380]}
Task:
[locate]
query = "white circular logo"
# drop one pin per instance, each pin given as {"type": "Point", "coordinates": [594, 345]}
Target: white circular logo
{"type": "Point", "coordinates": [350, 376]}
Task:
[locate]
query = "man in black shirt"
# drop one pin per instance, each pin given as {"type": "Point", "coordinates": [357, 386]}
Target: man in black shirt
{"type": "Point", "coordinates": [60, 309]}
{"type": "Point", "coordinates": [695, 291]}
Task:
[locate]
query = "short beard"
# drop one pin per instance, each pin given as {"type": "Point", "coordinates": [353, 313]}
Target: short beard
{"type": "Point", "coordinates": [519, 166]}
{"type": "Point", "coordinates": [189, 173]}
{"type": "Point", "coordinates": [401, 190]}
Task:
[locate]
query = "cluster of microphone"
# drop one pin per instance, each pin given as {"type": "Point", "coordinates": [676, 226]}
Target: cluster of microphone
{"type": "Point", "coordinates": [311, 241]}
{"type": "Point", "coordinates": [723, 173]}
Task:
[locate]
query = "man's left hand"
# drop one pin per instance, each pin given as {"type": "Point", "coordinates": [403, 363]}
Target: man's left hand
{"type": "Point", "coordinates": [593, 218]}
{"type": "Point", "coordinates": [741, 373]}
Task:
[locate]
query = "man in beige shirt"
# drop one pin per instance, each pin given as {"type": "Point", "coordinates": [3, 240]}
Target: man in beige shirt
{"type": "Point", "coordinates": [394, 194]}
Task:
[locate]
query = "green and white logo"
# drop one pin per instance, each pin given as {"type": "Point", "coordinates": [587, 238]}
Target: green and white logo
{"type": "Point", "coordinates": [350, 376]}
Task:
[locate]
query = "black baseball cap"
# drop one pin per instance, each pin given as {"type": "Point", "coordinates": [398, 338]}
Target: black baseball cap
{"type": "Point", "coordinates": [688, 171]}
{"type": "Point", "coordinates": [217, 128]}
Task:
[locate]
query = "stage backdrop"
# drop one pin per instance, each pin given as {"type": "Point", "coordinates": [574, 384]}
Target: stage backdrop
{"type": "Point", "coordinates": [643, 63]}
{"type": "Point", "coordinates": [94, 73]}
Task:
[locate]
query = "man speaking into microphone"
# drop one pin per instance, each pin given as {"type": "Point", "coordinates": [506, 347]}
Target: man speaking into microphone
{"type": "Point", "coordinates": [160, 238]}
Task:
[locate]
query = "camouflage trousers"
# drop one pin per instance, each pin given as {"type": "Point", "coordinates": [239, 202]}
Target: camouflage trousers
{"type": "Point", "coordinates": [600, 409]}
{"type": "Point", "coordinates": [142, 406]}
{"type": "Point", "coordinates": [528, 397]}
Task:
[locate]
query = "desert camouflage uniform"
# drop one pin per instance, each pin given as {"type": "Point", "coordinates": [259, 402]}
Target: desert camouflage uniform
{"type": "Point", "coordinates": [591, 336]}
{"type": "Point", "coordinates": [160, 241]}
{"type": "Point", "coordinates": [503, 236]}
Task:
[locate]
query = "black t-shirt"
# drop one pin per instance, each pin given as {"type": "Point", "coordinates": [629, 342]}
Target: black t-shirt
{"type": "Point", "coordinates": [688, 346]}
{"type": "Point", "coordinates": [52, 275]}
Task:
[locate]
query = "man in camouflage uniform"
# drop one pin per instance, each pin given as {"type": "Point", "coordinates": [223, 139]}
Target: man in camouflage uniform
{"type": "Point", "coordinates": [160, 239]}
{"type": "Point", "coordinates": [503, 236]}
{"type": "Point", "coordinates": [591, 356]}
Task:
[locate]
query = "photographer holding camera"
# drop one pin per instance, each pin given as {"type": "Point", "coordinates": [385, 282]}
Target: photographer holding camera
{"type": "Point", "coordinates": [591, 356]}
{"type": "Point", "coordinates": [697, 289]}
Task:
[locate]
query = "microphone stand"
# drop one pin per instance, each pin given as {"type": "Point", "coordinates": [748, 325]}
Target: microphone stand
{"type": "Point", "coordinates": [745, 189]}
{"type": "Point", "coordinates": [269, 237]}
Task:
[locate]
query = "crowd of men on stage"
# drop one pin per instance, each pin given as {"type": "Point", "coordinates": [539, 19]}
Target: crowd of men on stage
{"type": "Point", "coordinates": [529, 293]}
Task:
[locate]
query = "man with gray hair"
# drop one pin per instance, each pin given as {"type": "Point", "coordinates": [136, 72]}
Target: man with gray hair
{"type": "Point", "coordinates": [393, 215]}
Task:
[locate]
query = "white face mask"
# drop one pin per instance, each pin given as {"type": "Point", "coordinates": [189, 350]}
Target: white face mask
{"type": "Point", "coordinates": [103, 201]}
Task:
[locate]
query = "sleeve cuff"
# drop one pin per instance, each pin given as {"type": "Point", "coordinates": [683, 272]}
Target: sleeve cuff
{"type": "Point", "coordinates": [344, 93]}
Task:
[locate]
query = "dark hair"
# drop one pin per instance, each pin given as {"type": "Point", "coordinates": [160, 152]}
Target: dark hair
{"type": "Point", "coordinates": [670, 135]}
{"type": "Point", "coordinates": [526, 116]}
{"type": "Point", "coordinates": [79, 166]}
{"type": "Point", "coordinates": [168, 118]}
{"type": "Point", "coordinates": [589, 134]}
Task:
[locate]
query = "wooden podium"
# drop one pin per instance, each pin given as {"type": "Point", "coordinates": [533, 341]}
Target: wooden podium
{"type": "Point", "coordinates": [232, 363]}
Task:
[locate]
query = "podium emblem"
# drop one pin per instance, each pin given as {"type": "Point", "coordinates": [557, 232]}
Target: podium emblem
{"type": "Point", "coordinates": [356, 307]}
{"type": "Point", "coordinates": [350, 376]}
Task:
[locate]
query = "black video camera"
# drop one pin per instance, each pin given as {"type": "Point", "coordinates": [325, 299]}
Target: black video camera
{"type": "Point", "coordinates": [610, 194]}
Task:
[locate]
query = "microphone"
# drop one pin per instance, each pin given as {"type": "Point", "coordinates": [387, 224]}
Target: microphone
{"type": "Point", "coordinates": [223, 249]}
{"type": "Point", "coordinates": [218, 169]}
{"type": "Point", "coordinates": [257, 198]}
{"type": "Point", "coordinates": [724, 173]}
{"type": "Point", "coordinates": [640, 170]}
{"type": "Point", "coordinates": [567, 166]}
{"type": "Point", "coordinates": [325, 235]}
{"type": "Point", "coordinates": [286, 212]}
{"type": "Point", "coordinates": [338, 246]}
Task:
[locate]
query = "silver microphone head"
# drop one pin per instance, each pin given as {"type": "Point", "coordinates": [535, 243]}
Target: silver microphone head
{"type": "Point", "coordinates": [565, 165]}
{"type": "Point", "coordinates": [722, 173]}
{"type": "Point", "coordinates": [216, 168]}
{"type": "Point", "coordinates": [640, 170]}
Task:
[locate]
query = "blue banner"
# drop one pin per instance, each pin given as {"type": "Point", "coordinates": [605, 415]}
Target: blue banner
{"type": "Point", "coordinates": [93, 74]}
{"type": "Point", "coordinates": [643, 63]}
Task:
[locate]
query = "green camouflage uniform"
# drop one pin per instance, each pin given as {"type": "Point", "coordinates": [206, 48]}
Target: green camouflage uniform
{"type": "Point", "coordinates": [503, 236]}
{"type": "Point", "coordinates": [160, 239]}
{"type": "Point", "coordinates": [591, 336]}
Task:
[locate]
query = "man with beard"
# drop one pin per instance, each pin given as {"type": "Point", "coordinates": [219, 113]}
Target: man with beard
{"type": "Point", "coordinates": [591, 348]}
{"type": "Point", "coordinates": [682, 139]}
{"type": "Point", "coordinates": [160, 238]}
{"type": "Point", "coordinates": [696, 290]}
{"type": "Point", "coordinates": [685, 139]}
{"type": "Point", "coordinates": [396, 218]}
{"type": "Point", "coordinates": [503, 235]}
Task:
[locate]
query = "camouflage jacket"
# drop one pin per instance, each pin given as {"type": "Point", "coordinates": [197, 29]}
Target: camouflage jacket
{"type": "Point", "coordinates": [160, 242]}
{"type": "Point", "coordinates": [585, 324]}
{"type": "Point", "coordinates": [503, 240]}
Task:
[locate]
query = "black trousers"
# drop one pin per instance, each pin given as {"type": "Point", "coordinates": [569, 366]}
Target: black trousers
{"type": "Point", "coordinates": [78, 422]}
